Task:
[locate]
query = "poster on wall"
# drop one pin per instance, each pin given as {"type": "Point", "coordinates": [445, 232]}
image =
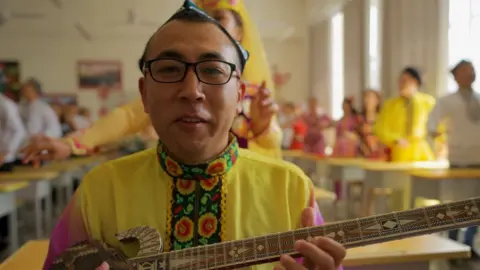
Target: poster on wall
{"type": "Point", "coordinates": [96, 74]}
{"type": "Point", "coordinates": [62, 99]}
{"type": "Point", "coordinates": [10, 78]}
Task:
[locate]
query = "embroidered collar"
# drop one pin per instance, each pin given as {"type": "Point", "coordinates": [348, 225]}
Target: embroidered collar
{"type": "Point", "coordinates": [210, 169]}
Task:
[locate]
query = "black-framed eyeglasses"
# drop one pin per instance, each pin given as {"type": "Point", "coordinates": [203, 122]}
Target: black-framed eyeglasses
{"type": "Point", "coordinates": [213, 72]}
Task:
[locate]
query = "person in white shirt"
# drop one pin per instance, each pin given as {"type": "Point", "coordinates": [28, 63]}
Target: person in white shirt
{"type": "Point", "coordinates": [39, 118]}
{"type": "Point", "coordinates": [12, 133]}
{"type": "Point", "coordinates": [460, 113]}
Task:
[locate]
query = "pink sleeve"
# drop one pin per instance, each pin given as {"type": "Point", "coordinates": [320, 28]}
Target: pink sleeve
{"type": "Point", "coordinates": [70, 229]}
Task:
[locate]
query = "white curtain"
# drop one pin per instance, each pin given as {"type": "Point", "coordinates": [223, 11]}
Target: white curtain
{"type": "Point", "coordinates": [355, 47]}
{"type": "Point", "coordinates": [415, 33]}
{"type": "Point", "coordinates": [320, 64]}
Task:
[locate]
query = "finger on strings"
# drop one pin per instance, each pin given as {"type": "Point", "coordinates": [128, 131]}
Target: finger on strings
{"type": "Point", "coordinates": [332, 247]}
{"type": "Point", "coordinates": [308, 217]}
{"type": "Point", "coordinates": [318, 257]}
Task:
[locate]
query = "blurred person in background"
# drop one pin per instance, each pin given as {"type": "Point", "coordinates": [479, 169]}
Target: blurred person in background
{"type": "Point", "coordinates": [346, 137]}
{"type": "Point", "coordinates": [12, 133]}
{"type": "Point", "coordinates": [256, 127]}
{"type": "Point", "coordinates": [401, 124]}
{"type": "Point", "coordinates": [369, 145]}
{"type": "Point", "coordinates": [459, 113]}
{"type": "Point", "coordinates": [39, 118]}
{"type": "Point", "coordinates": [317, 122]}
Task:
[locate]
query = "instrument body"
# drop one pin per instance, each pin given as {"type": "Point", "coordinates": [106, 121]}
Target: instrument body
{"type": "Point", "coordinates": [267, 248]}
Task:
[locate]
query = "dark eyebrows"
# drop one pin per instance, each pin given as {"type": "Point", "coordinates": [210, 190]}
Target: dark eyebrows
{"type": "Point", "coordinates": [172, 54]}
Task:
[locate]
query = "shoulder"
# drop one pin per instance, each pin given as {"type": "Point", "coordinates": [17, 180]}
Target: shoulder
{"type": "Point", "coordinates": [269, 169]}
{"type": "Point", "coordinates": [122, 171]}
{"type": "Point", "coordinates": [426, 98]}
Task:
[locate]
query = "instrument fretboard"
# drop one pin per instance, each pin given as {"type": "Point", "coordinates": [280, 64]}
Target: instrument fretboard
{"type": "Point", "coordinates": [350, 233]}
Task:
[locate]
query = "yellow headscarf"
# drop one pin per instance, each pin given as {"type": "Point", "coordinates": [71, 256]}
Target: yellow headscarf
{"type": "Point", "coordinates": [257, 69]}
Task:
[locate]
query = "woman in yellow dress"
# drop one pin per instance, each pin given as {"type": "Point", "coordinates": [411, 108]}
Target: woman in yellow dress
{"type": "Point", "coordinates": [256, 127]}
{"type": "Point", "coordinates": [401, 124]}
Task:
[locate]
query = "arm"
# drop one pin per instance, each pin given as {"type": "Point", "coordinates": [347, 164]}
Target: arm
{"type": "Point", "coordinates": [436, 117]}
{"type": "Point", "coordinates": [382, 127]}
{"type": "Point", "coordinates": [121, 122]}
{"type": "Point", "coordinates": [70, 229]}
{"type": "Point", "coordinates": [15, 132]}
{"type": "Point", "coordinates": [271, 139]}
{"type": "Point", "coordinates": [52, 124]}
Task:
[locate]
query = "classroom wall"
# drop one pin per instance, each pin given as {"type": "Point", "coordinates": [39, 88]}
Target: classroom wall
{"type": "Point", "coordinates": [50, 50]}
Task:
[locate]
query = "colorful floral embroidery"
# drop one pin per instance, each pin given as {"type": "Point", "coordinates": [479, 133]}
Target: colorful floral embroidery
{"type": "Point", "coordinates": [197, 212]}
{"type": "Point", "coordinates": [209, 184]}
{"type": "Point", "coordinates": [207, 225]}
{"type": "Point", "coordinates": [184, 230]}
{"type": "Point", "coordinates": [185, 187]}
{"type": "Point", "coordinates": [199, 171]}
{"type": "Point", "coordinates": [172, 167]}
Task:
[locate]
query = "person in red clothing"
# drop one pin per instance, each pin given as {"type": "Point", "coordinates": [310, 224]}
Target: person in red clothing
{"type": "Point", "coordinates": [299, 132]}
{"type": "Point", "coordinates": [294, 127]}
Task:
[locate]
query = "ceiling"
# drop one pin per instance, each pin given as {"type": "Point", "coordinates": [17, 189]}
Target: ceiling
{"type": "Point", "coordinates": [97, 19]}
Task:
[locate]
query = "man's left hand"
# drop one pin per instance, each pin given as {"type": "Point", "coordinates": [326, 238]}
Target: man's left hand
{"type": "Point", "coordinates": [262, 109]}
{"type": "Point", "coordinates": [321, 253]}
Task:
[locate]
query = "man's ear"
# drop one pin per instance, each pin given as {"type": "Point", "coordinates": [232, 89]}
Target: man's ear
{"type": "Point", "coordinates": [143, 93]}
{"type": "Point", "coordinates": [241, 93]}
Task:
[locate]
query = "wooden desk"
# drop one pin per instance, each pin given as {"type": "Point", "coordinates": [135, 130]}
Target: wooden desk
{"type": "Point", "coordinates": [8, 207]}
{"type": "Point", "coordinates": [413, 254]}
{"type": "Point", "coordinates": [445, 184]}
{"type": "Point", "coordinates": [344, 170]}
{"type": "Point", "coordinates": [322, 194]}
{"type": "Point", "coordinates": [40, 188]}
{"type": "Point", "coordinates": [393, 255]}
{"type": "Point", "coordinates": [310, 163]}
{"type": "Point", "coordinates": [29, 256]}
{"type": "Point", "coordinates": [380, 174]}
{"type": "Point", "coordinates": [19, 175]}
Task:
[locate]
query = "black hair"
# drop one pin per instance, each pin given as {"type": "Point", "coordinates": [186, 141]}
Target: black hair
{"type": "Point", "coordinates": [36, 85]}
{"type": "Point", "coordinates": [413, 72]}
{"type": "Point", "coordinates": [461, 63]}
{"type": "Point", "coordinates": [190, 13]}
{"type": "Point", "coordinates": [349, 102]}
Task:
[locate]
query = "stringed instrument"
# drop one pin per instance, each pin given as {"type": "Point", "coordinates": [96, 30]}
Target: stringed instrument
{"type": "Point", "coordinates": [267, 248]}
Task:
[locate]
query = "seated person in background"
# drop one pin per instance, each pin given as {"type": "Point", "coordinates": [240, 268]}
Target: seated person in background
{"type": "Point", "coordinates": [12, 133]}
{"type": "Point", "coordinates": [295, 128]}
{"type": "Point", "coordinates": [191, 91]}
{"type": "Point", "coordinates": [39, 118]}
{"type": "Point", "coordinates": [346, 140]}
{"type": "Point", "coordinates": [401, 124]}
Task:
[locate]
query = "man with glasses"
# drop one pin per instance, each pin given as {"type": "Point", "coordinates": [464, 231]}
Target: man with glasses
{"type": "Point", "coordinates": [197, 187]}
{"type": "Point", "coordinates": [255, 126]}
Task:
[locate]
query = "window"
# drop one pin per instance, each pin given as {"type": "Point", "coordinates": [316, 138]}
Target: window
{"type": "Point", "coordinates": [338, 75]}
{"type": "Point", "coordinates": [373, 47]}
{"type": "Point", "coordinates": [463, 37]}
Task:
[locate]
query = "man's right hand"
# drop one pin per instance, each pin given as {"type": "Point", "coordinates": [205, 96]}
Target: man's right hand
{"type": "Point", "coordinates": [42, 148]}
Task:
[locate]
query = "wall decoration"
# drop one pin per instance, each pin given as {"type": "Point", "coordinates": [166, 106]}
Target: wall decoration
{"type": "Point", "coordinates": [10, 79]}
{"type": "Point", "coordinates": [97, 74]}
{"type": "Point", "coordinates": [61, 99]}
